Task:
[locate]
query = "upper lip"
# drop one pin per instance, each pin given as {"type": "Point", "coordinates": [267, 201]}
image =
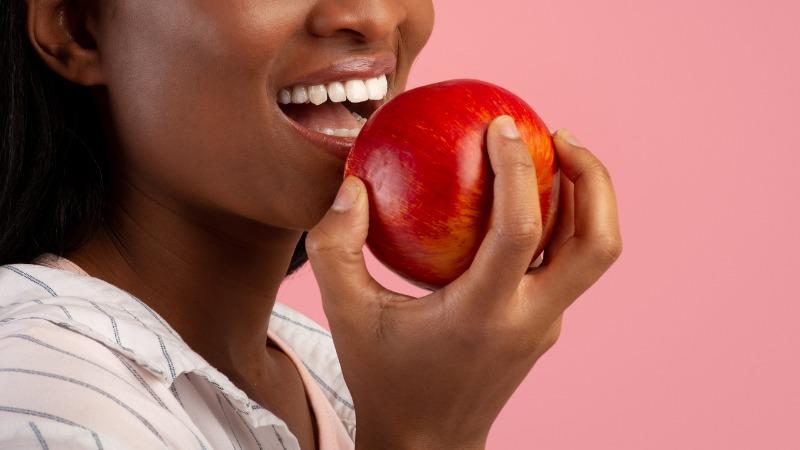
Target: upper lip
{"type": "Point", "coordinates": [360, 67]}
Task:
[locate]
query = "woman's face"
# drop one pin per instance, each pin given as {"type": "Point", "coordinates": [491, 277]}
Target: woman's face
{"type": "Point", "coordinates": [193, 91]}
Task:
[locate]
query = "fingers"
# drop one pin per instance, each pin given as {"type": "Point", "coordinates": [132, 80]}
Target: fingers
{"type": "Point", "coordinates": [596, 214]}
{"type": "Point", "coordinates": [596, 243]}
{"type": "Point", "coordinates": [515, 226]}
{"type": "Point", "coordinates": [335, 250]}
{"type": "Point", "coordinates": [564, 227]}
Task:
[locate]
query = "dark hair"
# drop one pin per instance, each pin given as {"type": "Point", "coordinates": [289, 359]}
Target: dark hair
{"type": "Point", "coordinates": [52, 153]}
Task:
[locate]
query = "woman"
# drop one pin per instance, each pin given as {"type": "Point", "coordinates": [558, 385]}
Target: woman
{"type": "Point", "coordinates": [161, 163]}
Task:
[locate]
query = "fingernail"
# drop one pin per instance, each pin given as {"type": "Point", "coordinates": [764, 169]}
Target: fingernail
{"type": "Point", "coordinates": [346, 197]}
{"type": "Point", "coordinates": [508, 129]}
{"type": "Point", "coordinates": [567, 136]}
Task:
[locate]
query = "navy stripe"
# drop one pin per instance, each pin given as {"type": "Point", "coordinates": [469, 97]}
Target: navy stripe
{"type": "Point", "coordinates": [40, 302]}
{"type": "Point", "coordinates": [244, 422]}
{"type": "Point", "coordinates": [113, 324]}
{"type": "Point", "coordinates": [172, 387]}
{"type": "Point", "coordinates": [52, 347]}
{"type": "Point", "coordinates": [325, 386]}
{"type": "Point", "coordinates": [138, 377]}
{"type": "Point", "coordinates": [226, 396]}
{"type": "Point", "coordinates": [174, 391]}
{"type": "Point", "coordinates": [301, 325]}
{"type": "Point", "coordinates": [45, 415]}
{"type": "Point", "coordinates": [39, 436]}
{"type": "Point", "coordinates": [64, 309]}
{"type": "Point", "coordinates": [222, 389]}
{"type": "Point", "coordinates": [122, 359]}
{"type": "Point", "coordinates": [280, 441]}
{"type": "Point", "coordinates": [52, 292]}
{"type": "Point", "coordinates": [66, 313]}
{"type": "Point", "coordinates": [166, 356]}
{"type": "Point", "coordinates": [32, 278]}
{"type": "Point", "coordinates": [137, 319]}
{"type": "Point", "coordinates": [91, 387]}
{"type": "Point", "coordinates": [135, 373]}
{"type": "Point", "coordinates": [230, 425]}
{"type": "Point", "coordinates": [154, 314]}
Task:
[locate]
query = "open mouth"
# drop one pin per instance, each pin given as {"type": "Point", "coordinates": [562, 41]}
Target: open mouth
{"type": "Point", "coordinates": [338, 108]}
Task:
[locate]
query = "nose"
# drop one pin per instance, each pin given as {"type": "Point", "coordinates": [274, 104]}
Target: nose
{"type": "Point", "coordinates": [362, 20]}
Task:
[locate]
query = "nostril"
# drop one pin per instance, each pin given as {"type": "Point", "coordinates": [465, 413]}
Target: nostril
{"type": "Point", "coordinates": [369, 22]}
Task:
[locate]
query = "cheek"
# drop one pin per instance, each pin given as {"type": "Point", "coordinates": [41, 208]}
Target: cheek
{"type": "Point", "coordinates": [190, 98]}
{"type": "Point", "coordinates": [188, 64]}
{"type": "Point", "coordinates": [419, 26]}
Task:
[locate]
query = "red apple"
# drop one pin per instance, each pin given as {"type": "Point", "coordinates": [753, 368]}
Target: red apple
{"type": "Point", "coordinates": [423, 159]}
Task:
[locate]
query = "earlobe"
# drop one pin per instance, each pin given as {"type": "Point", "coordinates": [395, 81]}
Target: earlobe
{"type": "Point", "coordinates": [51, 33]}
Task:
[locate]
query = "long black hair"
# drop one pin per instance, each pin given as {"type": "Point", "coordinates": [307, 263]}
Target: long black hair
{"type": "Point", "coordinates": [53, 164]}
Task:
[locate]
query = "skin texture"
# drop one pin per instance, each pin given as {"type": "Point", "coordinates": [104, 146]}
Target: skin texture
{"type": "Point", "coordinates": [211, 185]}
{"type": "Point", "coordinates": [211, 192]}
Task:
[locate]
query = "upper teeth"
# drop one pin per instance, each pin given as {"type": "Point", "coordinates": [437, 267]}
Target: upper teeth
{"type": "Point", "coordinates": [355, 91]}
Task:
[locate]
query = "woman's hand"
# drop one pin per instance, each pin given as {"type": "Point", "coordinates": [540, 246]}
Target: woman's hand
{"type": "Point", "coordinates": [434, 372]}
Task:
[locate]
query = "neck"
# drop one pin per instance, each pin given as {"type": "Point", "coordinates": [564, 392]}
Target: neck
{"type": "Point", "coordinates": [214, 279]}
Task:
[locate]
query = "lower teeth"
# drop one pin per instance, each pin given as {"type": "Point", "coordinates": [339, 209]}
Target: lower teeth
{"type": "Point", "coordinates": [343, 132]}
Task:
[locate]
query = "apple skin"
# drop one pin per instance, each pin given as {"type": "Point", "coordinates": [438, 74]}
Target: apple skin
{"type": "Point", "coordinates": [423, 159]}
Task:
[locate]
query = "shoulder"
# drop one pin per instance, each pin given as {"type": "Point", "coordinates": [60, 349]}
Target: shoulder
{"type": "Point", "coordinates": [59, 386]}
{"type": "Point", "coordinates": [64, 382]}
{"type": "Point", "coordinates": [314, 345]}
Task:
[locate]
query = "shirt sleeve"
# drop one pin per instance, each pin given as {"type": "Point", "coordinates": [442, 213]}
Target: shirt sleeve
{"type": "Point", "coordinates": [62, 389]}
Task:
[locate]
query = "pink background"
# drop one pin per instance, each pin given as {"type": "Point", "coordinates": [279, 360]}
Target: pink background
{"type": "Point", "coordinates": [691, 340]}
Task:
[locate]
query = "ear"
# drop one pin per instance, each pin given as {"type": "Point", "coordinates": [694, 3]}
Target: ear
{"type": "Point", "coordinates": [63, 40]}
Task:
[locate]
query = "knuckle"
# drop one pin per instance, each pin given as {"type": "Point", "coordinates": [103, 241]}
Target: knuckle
{"type": "Point", "coordinates": [315, 241]}
{"type": "Point", "coordinates": [319, 241]}
{"type": "Point", "coordinates": [608, 249]}
{"type": "Point", "coordinates": [599, 169]}
{"type": "Point", "coordinates": [521, 232]}
{"type": "Point", "coordinates": [540, 343]}
{"type": "Point", "coordinates": [521, 165]}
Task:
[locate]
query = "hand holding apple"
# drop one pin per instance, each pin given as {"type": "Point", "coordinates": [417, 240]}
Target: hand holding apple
{"type": "Point", "coordinates": [423, 159]}
{"type": "Point", "coordinates": [434, 372]}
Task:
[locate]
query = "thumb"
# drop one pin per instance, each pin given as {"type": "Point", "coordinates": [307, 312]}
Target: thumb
{"type": "Point", "coordinates": [335, 247]}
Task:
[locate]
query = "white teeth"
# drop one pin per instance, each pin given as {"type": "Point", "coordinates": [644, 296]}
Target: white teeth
{"type": "Point", "coordinates": [384, 85]}
{"type": "Point", "coordinates": [341, 132]}
{"type": "Point", "coordinates": [317, 94]}
{"type": "Point", "coordinates": [356, 91]}
{"type": "Point", "coordinates": [374, 89]}
{"type": "Point", "coordinates": [336, 92]}
{"type": "Point", "coordinates": [358, 117]}
{"type": "Point", "coordinates": [285, 97]}
{"type": "Point", "coordinates": [299, 94]}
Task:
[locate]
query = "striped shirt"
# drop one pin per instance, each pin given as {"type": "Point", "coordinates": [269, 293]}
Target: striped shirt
{"type": "Point", "coordinates": [86, 365]}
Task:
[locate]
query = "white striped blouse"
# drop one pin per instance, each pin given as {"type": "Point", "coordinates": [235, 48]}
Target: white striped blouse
{"type": "Point", "coordinates": [86, 365]}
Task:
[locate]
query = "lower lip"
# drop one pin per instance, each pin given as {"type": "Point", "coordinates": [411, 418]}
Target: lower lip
{"type": "Point", "coordinates": [338, 146]}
